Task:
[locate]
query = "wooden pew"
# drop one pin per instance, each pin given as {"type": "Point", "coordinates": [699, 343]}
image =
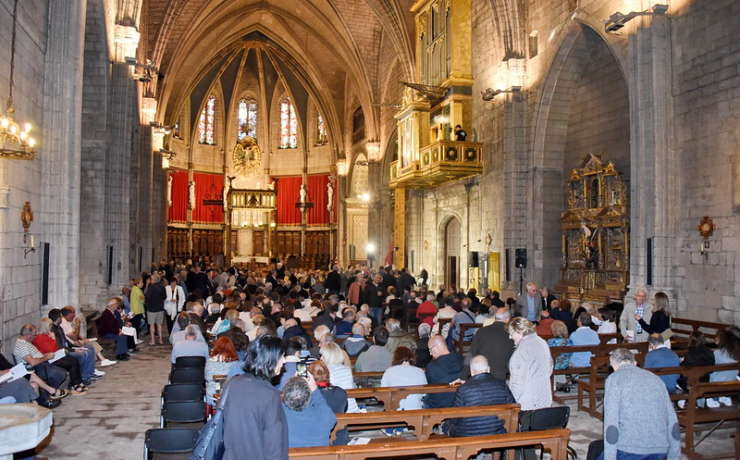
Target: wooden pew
{"type": "Point", "coordinates": [685, 327]}
{"type": "Point", "coordinates": [424, 420]}
{"type": "Point", "coordinates": [597, 350]}
{"type": "Point", "coordinates": [392, 396]}
{"type": "Point", "coordinates": [554, 441]}
{"type": "Point", "coordinates": [462, 343]}
{"type": "Point", "coordinates": [363, 379]}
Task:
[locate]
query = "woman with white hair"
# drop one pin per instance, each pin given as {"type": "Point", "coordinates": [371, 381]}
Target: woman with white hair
{"type": "Point", "coordinates": [340, 374]}
{"type": "Point", "coordinates": [530, 366]}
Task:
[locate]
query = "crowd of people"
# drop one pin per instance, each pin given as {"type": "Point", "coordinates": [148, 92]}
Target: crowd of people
{"type": "Point", "coordinates": [286, 382]}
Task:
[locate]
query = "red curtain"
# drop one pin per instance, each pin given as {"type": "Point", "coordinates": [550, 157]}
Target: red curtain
{"type": "Point", "coordinates": [318, 215]}
{"type": "Point", "coordinates": [287, 189]}
{"type": "Point", "coordinates": [209, 189]}
{"type": "Point", "coordinates": [178, 212]}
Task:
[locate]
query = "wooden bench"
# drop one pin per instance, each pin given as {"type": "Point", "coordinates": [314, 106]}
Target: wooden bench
{"type": "Point", "coordinates": [602, 349]}
{"type": "Point", "coordinates": [461, 343]}
{"type": "Point", "coordinates": [685, 327]}
{"type": "Point", "coordinates": [392, 396]}
{"type": "Point", "coordinates": [363, 379]}
{"type": "Point", "coordinates": [424, 420]}
{"type": "Point", "coordinates": [553, 441]}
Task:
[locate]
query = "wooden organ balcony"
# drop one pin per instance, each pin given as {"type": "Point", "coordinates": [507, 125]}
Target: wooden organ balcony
{"type": "Point", "coordinates": [439, 162]}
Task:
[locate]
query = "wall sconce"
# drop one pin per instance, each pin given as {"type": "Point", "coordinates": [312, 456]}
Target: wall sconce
{"type": "Point", "coordinates": [706, 228]}
{"type": "Point", "coordinates": [141, 72]}
{"type": "Point", "coordinates": [29, 244]}
{"type": "Point", "coordinates": [167, 156]}
{"type": "Point", "coordinates": [373, 150]}
{"type": "Point", "coordinates": [364, 197]}
{"type": "Point", "coordinates": [158, 134]}
{"type": "Point", "coordinates": [618, 20]}
{"type": "Point", "coordinates": [491, 93]}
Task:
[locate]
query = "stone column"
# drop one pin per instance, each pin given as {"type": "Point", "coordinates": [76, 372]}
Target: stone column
{"type": "Point", "coordinates": [653, 202]}
{"type": "Point", "coordinates": [60, 155]}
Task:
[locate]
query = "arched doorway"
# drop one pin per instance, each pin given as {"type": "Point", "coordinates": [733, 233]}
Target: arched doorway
{"type": "Point", "coordinates": [452, 253]}
{"type": "Point", "coordinates": [584, 110]}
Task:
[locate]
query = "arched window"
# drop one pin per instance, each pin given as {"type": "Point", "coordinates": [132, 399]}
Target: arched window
{"type": "Point", "coordinates": [206, 121]}
{"type": "Point", "coordinates": [321, 137]}
{"type": "Point", "coordinates": [288, 125]}
{"type": "Point", "coordinates": [246, 118]}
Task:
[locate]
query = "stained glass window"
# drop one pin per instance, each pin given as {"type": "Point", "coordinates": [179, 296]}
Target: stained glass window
{"type": "Point", "coordinates": [247, 118]}
{"type": "Point", "coordinates": [321, 137]}
{"type": "Point", "coordinates": [288, 125]}
{"type": "Point", "coordinates": [205, 124]}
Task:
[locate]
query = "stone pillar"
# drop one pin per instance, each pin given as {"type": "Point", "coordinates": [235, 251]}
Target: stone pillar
{"type": "Point", "coordinates": [653, 203]}
{"type": "Point", "coordinates": [399, 231]}
{"type": "Point", "coordinates": [60, 156]}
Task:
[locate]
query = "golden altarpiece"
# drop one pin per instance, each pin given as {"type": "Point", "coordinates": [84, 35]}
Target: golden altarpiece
{"type": "Point", "coordinates": [595, 234]}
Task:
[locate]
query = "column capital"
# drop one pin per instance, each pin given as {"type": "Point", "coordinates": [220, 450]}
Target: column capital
{"type": "Point", "coordinates": [126, 39]}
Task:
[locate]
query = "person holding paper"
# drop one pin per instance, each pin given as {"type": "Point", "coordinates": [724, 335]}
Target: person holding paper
{"type": "Point", "coordinates": [109, 328]}
{"type": "Point", "coordinates": [26, 390]}
{"type": "Point", "coordinates": [45, 342]}
{"type": "Point", "coordinates": [85, 355]}
{"type": "Point", "coordinates": [73, 336]}
{"type": "Point", "coordinates": [26, 352]}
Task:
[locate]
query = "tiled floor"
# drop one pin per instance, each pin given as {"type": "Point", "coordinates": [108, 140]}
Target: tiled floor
{"type": "Point", "coordinates": [109, 422]}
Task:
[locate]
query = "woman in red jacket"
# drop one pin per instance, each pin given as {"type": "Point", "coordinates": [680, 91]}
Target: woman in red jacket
{"type": "Point", "coordinates": [46, 342]}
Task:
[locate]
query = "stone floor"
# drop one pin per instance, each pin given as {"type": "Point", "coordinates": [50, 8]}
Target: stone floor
{"type": "Point", "coordinates": [109, 422]}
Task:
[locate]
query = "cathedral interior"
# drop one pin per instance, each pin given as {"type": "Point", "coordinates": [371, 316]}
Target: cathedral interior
{"type": "Point", "coordinates": [590, 146]}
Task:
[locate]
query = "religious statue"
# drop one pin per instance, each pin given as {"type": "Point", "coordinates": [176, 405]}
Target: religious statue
{"type": "Point", "coordinates": [169, 191]}
{"type": "Point", "coordinates": [247, 155]}
{"type": "Point", "coordinates": [330, 195]}
{"type": "Point", "coordinates": [26, 216]}
{"type": "Point", "coordinates": [191, 194]}
{"type": "Point", "coordinates": [303, 194]}
{"type": "Point", "coordinates": [589, 247]}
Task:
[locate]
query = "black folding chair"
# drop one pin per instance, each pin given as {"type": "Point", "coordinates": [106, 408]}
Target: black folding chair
{"type": "Point", "coordinates": [189, 361]}
{"type": "Point", "coordinates": [169, 441]}
{"type": "Point", "coordinates": [178, 392]}
{"type": "Point", "coordinates": [547, 418]}
{"type": "Point", "coordinates": [188, 375]}
{"type": "Point", "coordinates": [183, 412]}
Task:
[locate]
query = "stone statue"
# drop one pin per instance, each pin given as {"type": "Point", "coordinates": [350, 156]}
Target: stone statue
{"type": "Point", "coordinates": [303, 194]}
{"type": "Point", "coordinates": [191, 194]}
{"type": "Point", "coordinates": [169, 191]}
{"type": "Point", "coordinates": [330, 195]}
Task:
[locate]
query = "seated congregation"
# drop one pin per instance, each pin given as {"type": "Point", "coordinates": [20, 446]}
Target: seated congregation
{"type": "Point", "coordinates": [286, 361]}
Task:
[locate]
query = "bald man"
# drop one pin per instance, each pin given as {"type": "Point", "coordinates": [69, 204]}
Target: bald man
{"type": "Point", "coordinates": [481, 389]}
{"type": "Point", "coordinates": [445, 367]}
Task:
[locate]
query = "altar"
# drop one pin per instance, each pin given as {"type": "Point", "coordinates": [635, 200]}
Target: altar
{"type": "Point", "coordinates": [595, 234]}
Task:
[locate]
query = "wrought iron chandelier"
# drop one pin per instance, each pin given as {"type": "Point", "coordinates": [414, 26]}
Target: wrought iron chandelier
{"type": "Point", "coordinates": [16, 140]}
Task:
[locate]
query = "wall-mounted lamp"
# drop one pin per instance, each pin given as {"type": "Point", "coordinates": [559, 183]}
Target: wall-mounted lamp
{"type": "Point", "coordinates": [618, 20]}
{"type": "Point", "coordinates": [364, 197]}
{"type": "Point", "coordinates": [141, 72]}
{"type": "Point", "coordinates": [373, 150]}
{"type": "Point", "coordinates": [29, 244]}
{"type": "Point", "coordinates": [370, 249]}
{"type": "Point", "coordinates": [491, 93]}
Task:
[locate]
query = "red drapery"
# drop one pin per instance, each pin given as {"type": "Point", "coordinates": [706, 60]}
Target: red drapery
{"type": "Point", "coordinates": [287, 189]}
{"type": "Point", "coordinates": [317, 194]}
{"type": "Point", "coordinates": [178, 212]}
{"type": "Point", "coordinates": [209, 189]}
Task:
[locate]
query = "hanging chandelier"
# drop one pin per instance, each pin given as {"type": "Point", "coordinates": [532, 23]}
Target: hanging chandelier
{"type": "Point", "coordinates": [16, 140]}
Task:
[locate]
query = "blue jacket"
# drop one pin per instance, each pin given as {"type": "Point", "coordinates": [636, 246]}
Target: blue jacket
{"type": "Point", "coordinates": [480, 390]}
{"type": "Point", "coordinates": [312, 426]}
{"type": "Point", "coordinates": [664, 357]}
{"type": "Point", "coordinates": [580, 337]}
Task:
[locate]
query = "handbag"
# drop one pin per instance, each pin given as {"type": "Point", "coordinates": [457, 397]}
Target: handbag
{"type": "Point", "coordinates": [210, 443]}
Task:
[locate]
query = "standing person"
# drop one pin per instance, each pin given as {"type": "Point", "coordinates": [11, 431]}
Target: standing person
{"type": "Point", "coordinates": [137, 306]}
{"type": "Point", "coordinates": [424, 275]}
{"type": "Point", "coordinates": [254, 420]}
{"type": "Point", "coordinates": [154, 298]}
{"type": "Point", "coordinates": [529, 303]}
{"type": "Point", "coordinates": [530, 367]}
{"type": "Point", "coordinates": [333, 281]}
{"type": "Point", "coordinates": [493, 343]}
{"type": "Point", "coordinates": [637, 424]}
{"type": "Point", "coordinates": [660, 320]}
{"type": "Point", "coordinates": [631, 328]}
{"type": "Point", "coordinates": [372, 295]}
{"type": "Point", "coordinates": [175, 300]}
{"type": "Point", "coordinates": [547, 298]}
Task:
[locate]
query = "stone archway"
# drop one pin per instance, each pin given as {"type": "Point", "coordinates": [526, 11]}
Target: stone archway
{"type": "Point", "coordinates": [584, 108]}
